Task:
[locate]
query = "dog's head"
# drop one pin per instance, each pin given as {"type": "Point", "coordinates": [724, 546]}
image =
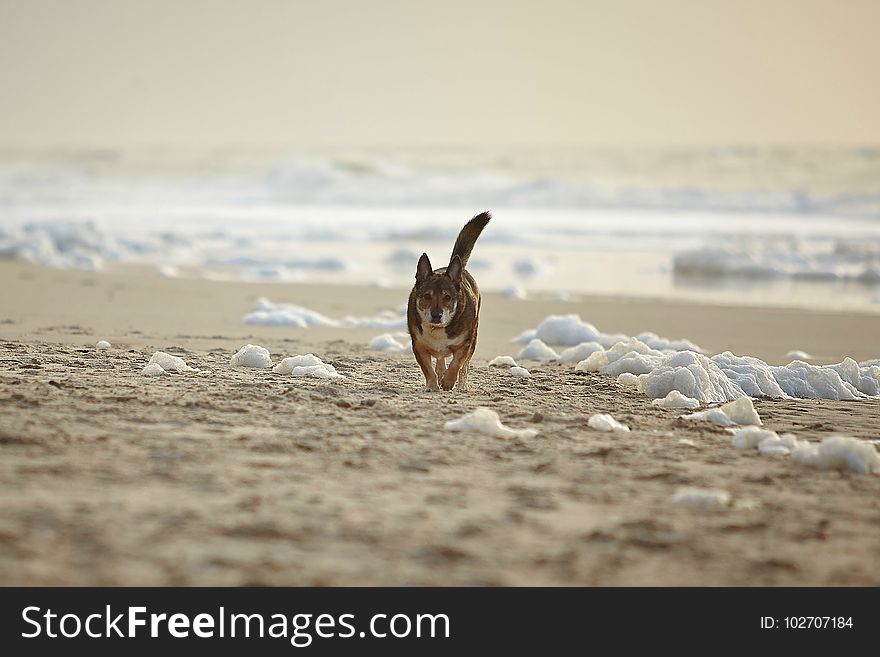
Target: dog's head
{"type": "Point", "coordinates": [437, 293]}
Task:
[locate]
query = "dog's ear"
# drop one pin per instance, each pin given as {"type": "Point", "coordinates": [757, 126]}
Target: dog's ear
{"type": "Point", "coordinates": [454, 269]}
{"type": "Point", "coordinates": [424, 269]}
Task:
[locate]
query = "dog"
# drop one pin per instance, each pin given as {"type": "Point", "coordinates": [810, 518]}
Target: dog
{"type": "Point", "coordinates": [443, 313]}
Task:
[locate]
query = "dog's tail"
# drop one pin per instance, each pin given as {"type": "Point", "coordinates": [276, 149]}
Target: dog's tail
{"type": "Point", "coordinates": [464, 244]}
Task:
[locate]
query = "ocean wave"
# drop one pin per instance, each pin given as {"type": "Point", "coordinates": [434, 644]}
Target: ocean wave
{"type": "Point", "coordinates": [802, 182]}
{"type": "Point", "coordinates": [839, 260]}
{"type": "Point", "coordinates": [562, 223]}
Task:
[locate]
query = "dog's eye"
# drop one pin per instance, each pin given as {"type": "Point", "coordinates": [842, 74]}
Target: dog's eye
{"type": "Point", "coordinates": [426, 295]}
{"type": "Point", "coordinates": [446, 297]}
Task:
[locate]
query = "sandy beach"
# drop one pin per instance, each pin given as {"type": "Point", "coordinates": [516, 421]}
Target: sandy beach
{"type": "Point", "coordinates": [236, 476]}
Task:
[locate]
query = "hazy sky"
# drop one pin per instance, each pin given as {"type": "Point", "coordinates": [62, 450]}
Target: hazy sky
{"type": "Point", "coordinates": [414, 72]}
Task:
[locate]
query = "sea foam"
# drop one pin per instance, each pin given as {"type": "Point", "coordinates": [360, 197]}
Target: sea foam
{"type": "Point", "coordinates": [251, 355]}
{"type": "Point", "coordinates": [485, 420]}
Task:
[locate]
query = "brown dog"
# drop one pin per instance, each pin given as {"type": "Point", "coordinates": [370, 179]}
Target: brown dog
{"type": "Point", "coordinates": [444, 311]}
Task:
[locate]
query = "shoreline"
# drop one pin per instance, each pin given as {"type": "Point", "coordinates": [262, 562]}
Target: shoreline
{"type": "Point", "coordinates": [138, 305]}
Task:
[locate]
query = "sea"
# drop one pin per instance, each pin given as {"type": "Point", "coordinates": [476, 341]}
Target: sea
{"type": "Point", "coordinates": [780, 226]}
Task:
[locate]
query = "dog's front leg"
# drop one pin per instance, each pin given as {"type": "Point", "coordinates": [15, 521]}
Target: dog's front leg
{"type": "Point", "coordinates": [440, 367]}
{"type": "Point", "coordinates": [466, 365]}
{"type": "Point", "coordinates": [463, 377]}
{"type": "Point", "coordinates": [459, 358]}
{"type": "Point", "coordinates": [423, 358]}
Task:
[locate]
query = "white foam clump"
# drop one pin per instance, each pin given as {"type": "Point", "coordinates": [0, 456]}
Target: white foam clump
{"type": "Point", "coordinates": [567, 330]}
{"type": "Point", "coordinates": [692, 374]}
{"type": "Point", "coordinates": [386, 342]}
{"type": "Point", "coordinates": [665, 344]}
{"type": "Point", "coordinates": [307, 365]}
{"type": "Point", "coordinates": [839, 453]}
{"type": "Point", "coordinates": [571, 330]}
{"type": "Point", "coordinates": [580, 352]}
{"type": "Point", "coordinates": [266, 312]}
{"type": "Point", "coordinates": [154, 369]}
{"type": "Point", "coordinates": [251, 355]}
{"type": "Point", "coordinates": [386, 319]}
{"type": "Point", "coordinates": [322, 371]}
{"type": "Point", "coordinates": [605, 422]}
{"type": "Point", "coordinates": [287, 364]}
{"type": "Point", "coordinates": [502, 361]}
{"type": "Point", "coordinates": [799, 355]}
{"type": "Point", "coordinates": [630, 355]}
{"type": "Point", "coordinates": [520, 372]}
{"type": "Point", "coordinates": [628, 380]}
{"type": "Point", "coordinates": [102, 344]}
{"type": "Point", "coordinates": [485, 420]}
{"type": "Point", "coordinates": [750, 376]}
{"type": "Point", "coordinates": [514, 292]}
{"type": "Point", "coordinates": [833, 453]}
{"type": "Point", "coordinates": [167, 363]}
{"type": "Point", "coordinates": [784, 444]}
{"type": "Point", "coordinates": [525, 337]}
{"type": "Point", "coordinates": [751, 436]}
{"type": "Point", "coordinates": [701, 498]}
{"type": "Point", "coordinates": [726, 377]}
{"type": "Point", "coordinates": [846, 380]}
{"type": "Point", "coordinates": [537, 350]}
{"type": "Point", "coordinates": [740, 411]}
{"type": "Point", "coordinates": [674, 399]}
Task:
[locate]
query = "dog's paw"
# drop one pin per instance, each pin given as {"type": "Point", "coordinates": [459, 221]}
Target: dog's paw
{"type": "Point", "coordinates": [431, 386]}
{"type": "Point", "coordinates": [447, 382]}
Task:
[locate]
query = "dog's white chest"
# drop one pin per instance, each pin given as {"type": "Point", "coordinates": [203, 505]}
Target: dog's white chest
{"type": "Point", "coordinates": [438, 342]}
